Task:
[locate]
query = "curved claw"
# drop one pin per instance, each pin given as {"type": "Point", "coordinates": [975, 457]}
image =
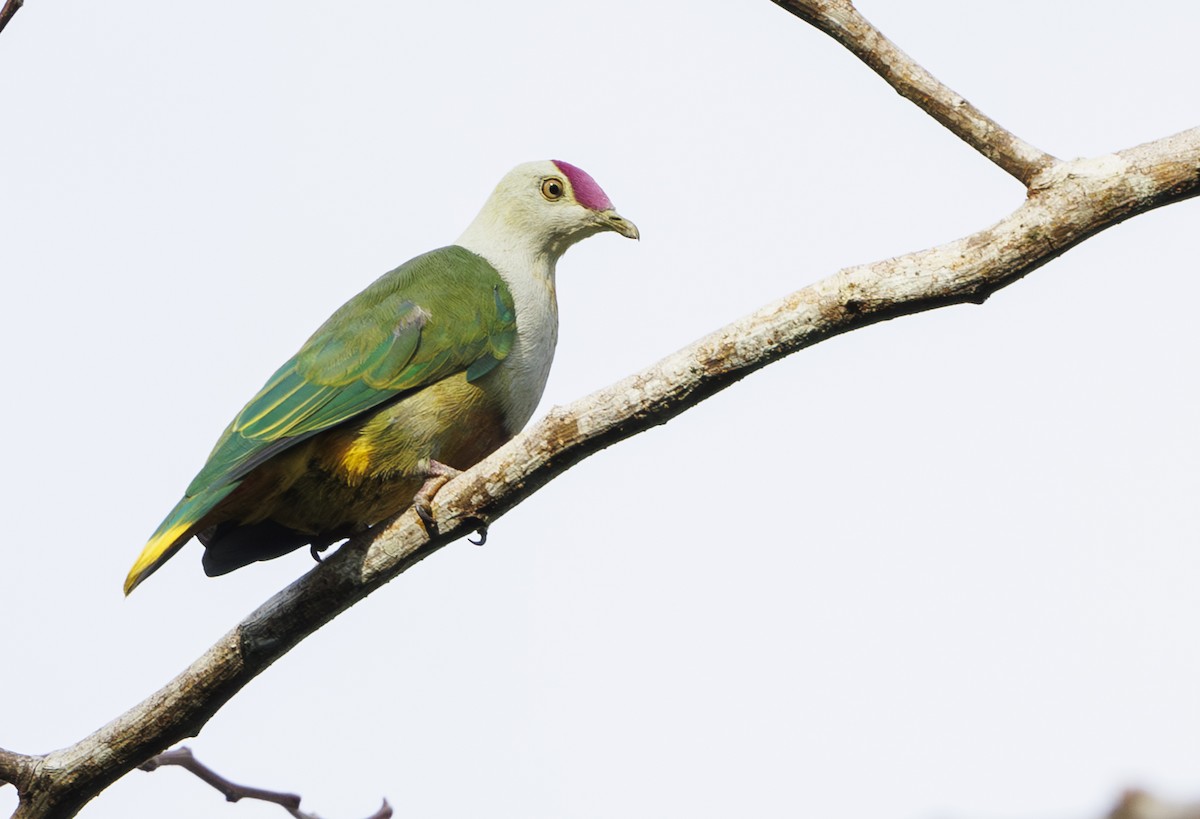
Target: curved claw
{"type": "Point", "coordinates": [315, 550]}
{"type": "Point", "coordinates": [426, 515]}
{"type": "Point", "coordinates": [482, 532]}
{"type": "Point", "coordinates": [422, 502]}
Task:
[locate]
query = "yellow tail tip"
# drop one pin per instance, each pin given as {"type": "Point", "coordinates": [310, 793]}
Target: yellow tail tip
{"type": "Point", "coordinates": [155, 553]}
{"type": "Point", "coordinates": [133, 579]}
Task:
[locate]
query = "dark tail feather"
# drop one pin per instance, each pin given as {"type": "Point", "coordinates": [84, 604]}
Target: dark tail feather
{"type": "Point", "coordinates": [230, 546]}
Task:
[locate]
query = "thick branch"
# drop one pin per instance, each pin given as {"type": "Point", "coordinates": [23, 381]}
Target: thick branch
{"type": "Point", "coordinates": [1067, 204]}
{"type": "Point", "coordinates": [16, 769]}
{"type": "Point", "coordinates": [841, 21]}
{"type": "Point", "coordinates": [10, 8]}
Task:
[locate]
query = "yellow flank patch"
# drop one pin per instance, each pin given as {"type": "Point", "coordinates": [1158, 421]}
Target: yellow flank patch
{"type": "Point", "coordinates": [155, 552]}
{"type": "Point", "coordinates": [357, 458]}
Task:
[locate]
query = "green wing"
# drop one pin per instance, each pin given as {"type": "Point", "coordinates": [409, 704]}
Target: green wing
{"type": "Point", "coordinates": [442, 313]}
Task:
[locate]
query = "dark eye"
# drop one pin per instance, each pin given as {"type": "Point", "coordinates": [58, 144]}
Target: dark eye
{"type": "Point", "coordinates": [552, 188]}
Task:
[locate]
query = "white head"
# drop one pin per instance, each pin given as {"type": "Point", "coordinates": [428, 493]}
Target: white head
{"type": "Point", "coordinates": [538, 210]}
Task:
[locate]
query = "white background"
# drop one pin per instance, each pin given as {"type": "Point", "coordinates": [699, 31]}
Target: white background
{"type": "Point", "coordinates": [943, 567]}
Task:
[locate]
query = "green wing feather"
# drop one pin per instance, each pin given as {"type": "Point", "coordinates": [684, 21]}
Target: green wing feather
{"type": "Point", "coordinates": [442, 313]}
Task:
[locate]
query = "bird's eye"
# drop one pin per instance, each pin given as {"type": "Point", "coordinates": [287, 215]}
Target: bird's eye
{"type": "Point", "coordinates": [553, 188]}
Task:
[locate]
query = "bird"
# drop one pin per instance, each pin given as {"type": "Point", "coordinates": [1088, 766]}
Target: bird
{"type": "Point", "coordinates": [424, 373]}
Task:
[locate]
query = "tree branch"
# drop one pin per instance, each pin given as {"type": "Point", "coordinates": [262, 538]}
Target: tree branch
{"type": "Point", "coordinates": [184, 758]}
{"type": "Point", "coordinates": [10, 8]}
{"type": "Point", "coordinates": [841, 21]}
{"type": "Point", "coordinates": [16, 769]}
{"type": "Point", "coordinates": [1067, 203]}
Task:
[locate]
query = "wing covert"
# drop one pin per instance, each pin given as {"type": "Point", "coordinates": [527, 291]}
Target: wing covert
{"type": "Point", "coordinates": [445, 312]}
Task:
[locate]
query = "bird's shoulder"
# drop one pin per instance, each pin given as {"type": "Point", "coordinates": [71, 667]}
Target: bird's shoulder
{"type": "Point", "coordinates": [440, 308]}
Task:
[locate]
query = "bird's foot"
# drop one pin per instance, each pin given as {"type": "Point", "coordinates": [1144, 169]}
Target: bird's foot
{"type": "Point", "coordinates": [438, 476]}
{"type": "Point", "coordinates": [425, 514]}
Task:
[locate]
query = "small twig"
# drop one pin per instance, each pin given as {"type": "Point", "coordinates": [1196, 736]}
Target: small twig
{"type": "Point", "coordinates": [184, 758]}
{"type": "Point", "coordinates": [841, 21]}
{"type": "Point", "coordinates": [6, 13]}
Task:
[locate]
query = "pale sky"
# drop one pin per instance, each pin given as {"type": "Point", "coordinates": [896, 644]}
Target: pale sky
{"type": "Point", "coordinates": [942, 568]}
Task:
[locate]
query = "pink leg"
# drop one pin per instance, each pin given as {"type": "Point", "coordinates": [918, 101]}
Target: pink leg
{"type": "Point", "coordinates": [438, 476]}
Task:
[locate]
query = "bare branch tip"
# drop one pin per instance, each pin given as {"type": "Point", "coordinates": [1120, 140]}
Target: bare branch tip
{"type": "Point", "coordinates": [384, 812]}
{"type": "Point", "coordinates": [10, 8]}
{"type": "Point", "coordinates": [845, 24]}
